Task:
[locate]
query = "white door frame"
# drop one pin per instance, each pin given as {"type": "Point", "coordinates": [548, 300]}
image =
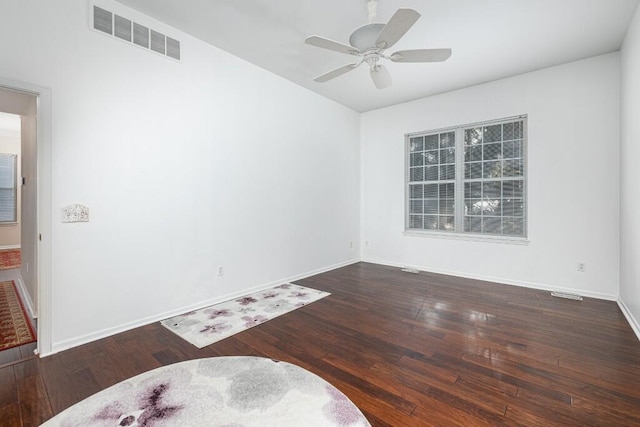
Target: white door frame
{"type": "Point", "coordinates": [43, 215]}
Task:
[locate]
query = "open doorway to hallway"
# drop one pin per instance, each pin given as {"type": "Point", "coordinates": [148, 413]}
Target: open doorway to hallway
{"type": "Point", "coordinates": [18, 224]}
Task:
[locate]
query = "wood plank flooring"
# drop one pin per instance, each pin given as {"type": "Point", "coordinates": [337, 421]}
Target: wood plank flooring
{"type": "Point", "coordinates": [409, 350]}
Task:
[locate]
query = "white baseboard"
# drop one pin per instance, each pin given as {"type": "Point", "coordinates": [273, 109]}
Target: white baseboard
{"type": "Point", "coordinates": [84, 339]}
{"type": "Point", "coordinates": [9, 247]}
{"type": "Point", "coordinates": [26, 298]}
{"type": "Point", "coordinates": [532, 285]}
{"type": "Point", "coordinates": [635, 325]}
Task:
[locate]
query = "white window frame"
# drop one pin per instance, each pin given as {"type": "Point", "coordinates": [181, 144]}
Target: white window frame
{"type": "Point", "coordinates": [459, 189]}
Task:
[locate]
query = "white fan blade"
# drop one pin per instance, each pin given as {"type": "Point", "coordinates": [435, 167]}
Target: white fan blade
{"type": "Point", "coordinates": [380, 77]}
{"type": "Point", "coordinates": [421, 55]}
{"type": "Point", "coordinates": [335, 73]}
{"type": "Point", "coordinates": [331, 45]}
{"type": "Point", "coordinates": [397, 26]}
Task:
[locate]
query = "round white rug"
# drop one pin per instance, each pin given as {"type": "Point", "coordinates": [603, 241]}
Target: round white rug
{"type": "Point", "coordinates": [221, 391]}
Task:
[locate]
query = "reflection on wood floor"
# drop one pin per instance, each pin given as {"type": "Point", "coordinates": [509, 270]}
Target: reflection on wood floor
{"type": "Point", "coordinates": [409, 350]}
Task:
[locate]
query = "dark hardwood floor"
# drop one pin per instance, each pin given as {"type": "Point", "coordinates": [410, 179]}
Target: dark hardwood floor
{"type": "Point", "coordinates": [409, 350]}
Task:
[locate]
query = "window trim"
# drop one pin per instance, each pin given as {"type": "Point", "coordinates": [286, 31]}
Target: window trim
{"type": "Point", "coordinates": [459, 186]}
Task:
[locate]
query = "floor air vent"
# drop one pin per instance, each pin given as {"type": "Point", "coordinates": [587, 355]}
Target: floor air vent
{"type": "Point", "coordinates": [132, 32]}
{"type": "Point", "coordinates": [567, 295]}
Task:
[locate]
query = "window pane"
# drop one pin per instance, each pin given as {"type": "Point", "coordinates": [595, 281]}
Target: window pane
{"type": "Point", "coordinates": [473, 224]}
{"type": "Point", "coordinates": [447, 223]}
{"type": "Point", "coordinates": [431, 142]}
{"type": "Point", "coordinates": [492, 151]}
{"type": "Point", "coordinates": [492, 169]}
{"type": "Point", "coordinates": [473, 207]}
{"type": "Point", "coordinates": [431, 157]}
{"type": "Point", "coordinates": [416, 144]}
{"type": "Point", "coordinates": [518, 129]}
{"type": "Point", "coordinates": [431, 222]}
{"type": "Point", "coordinates": [447, 207]}
{"type": "Point", "coordinates": [431, 191]}
{"type": "Point", "coordinates": [447, 140]}
{"type": "Point", "coordinates": [431, 206]}
{"type": "Point", "coordinates": [431, 173]}
{"type": "Point", "coordinates": [491, 225]}
{"type": "Point", "coordinates": [415, 207]}
{"type": "Point", "coordinates": [447, 172]}
{"type": "Point", "coordinates": [415, 191]}
{"type": "Point", "coordinates": [473, 136]}
{"type": "Point", "coordinates": [448, 155]}
{"type": "Point", "coordinates": [473, 170]}
{"type": "Point", "coordinates": [473, 153]}
{"type": "Point", "coordinates": [512, 149]}
{"type": "Point", "coordinates": [415, 221]}
{"type": "Point", "coordinates": [416, 159]}
{"type": "Point", "coordinates": [416, 174]}
{"type": "Point", "coordinates": [507, 132]}
{"type": "Point", "coordinates": [492, 133]}
{"type": "Point", "coordinates": [491, 189]}
{"type": "Point", "coordinates": [446, 191]}
{"type": "Point", "coordinates": [516, 167]}
{"type": "Point", "coordinates": [472, 189]}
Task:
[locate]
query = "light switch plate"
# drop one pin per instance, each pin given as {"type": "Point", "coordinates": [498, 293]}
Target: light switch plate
{"type": "Point", "coordinates": [75, 213]}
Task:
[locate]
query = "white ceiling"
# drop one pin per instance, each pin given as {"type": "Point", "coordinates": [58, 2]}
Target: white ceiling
{"type": "Point", "coordinates": [491, 39]}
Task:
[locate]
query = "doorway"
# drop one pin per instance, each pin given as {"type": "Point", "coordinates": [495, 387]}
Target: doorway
{"type": "Point", "coordinates": [32, 104]}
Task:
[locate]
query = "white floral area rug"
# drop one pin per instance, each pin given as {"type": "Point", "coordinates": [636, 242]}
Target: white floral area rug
{"type": "Point", "coordinates": [211, 324]}
{"type": "Point", "coordinates": [235, 391]}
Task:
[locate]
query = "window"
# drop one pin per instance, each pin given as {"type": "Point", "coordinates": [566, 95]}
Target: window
{"type": "Point", "coordinates": [8, 189]}
{"type": "Point", "coordinates": [468, 179]}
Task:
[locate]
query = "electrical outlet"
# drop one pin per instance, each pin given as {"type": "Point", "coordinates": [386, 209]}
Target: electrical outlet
{"type": "Point", "coordinates": [351, 245]}
{"type": "Point", "coordinates": [366, 243]}
{"type": "Point", "coordinates": [582, 267]}
{"type": "Point", "coordinates": [220, 271]}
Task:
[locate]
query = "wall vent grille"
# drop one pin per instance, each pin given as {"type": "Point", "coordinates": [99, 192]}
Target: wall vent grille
{"type": "Point", "coordinates": [132, 32]}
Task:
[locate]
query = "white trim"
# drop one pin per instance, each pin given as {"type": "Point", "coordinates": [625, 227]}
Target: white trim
{"type": "Point", "coordinates": [500, 280]}
{"type": "Point", "coordinates": [83, 339]}
{"type": "Point", "coordinates": [633, 322]}
{"type": "Point", "coordinates": [26, 298]}
{"type": "Point", "coordinates": [2, 248]}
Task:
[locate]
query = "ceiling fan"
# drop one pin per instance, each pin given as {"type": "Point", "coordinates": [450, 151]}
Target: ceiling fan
{"type": "Point", "coordinates": [370, 41]}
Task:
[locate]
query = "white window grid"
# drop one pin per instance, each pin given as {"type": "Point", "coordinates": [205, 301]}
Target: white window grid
{"type": "Point", "coordinates": [482, 191]}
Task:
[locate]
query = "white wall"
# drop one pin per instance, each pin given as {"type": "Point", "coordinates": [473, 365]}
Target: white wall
{"type": "Point", "coordinates": [573, 182]}
{"type": "Point", "coordinates": [185, 167]}
{"type": "Point", "coordinates": [629, 181]}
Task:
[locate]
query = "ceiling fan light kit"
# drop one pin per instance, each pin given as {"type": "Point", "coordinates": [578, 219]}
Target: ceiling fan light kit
{"type": "Point", "coordinates": [370, 41]}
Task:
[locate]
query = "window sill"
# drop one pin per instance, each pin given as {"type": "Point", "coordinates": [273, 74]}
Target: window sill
{"type": "Point", "coordinates": [8, 223]}
{"type": "Point", "coordinates": [468, 237]}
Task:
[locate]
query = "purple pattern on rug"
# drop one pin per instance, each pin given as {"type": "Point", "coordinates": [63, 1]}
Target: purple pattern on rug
{"type": "Point", "coordinates": [299, 294]}
{"type": "Point", "coordinates": [216, 328]}
{"type": "Point", "coordinates": [211, 324]}
{"type": "Point", "coordinates": [246, 300]}
{"type": "Point", "coordinates": [270, 294]}
{"type": "Point", "coordinates": [255, 320]}
{"type": "Point", "coordinates": [222, 312]}
{"type": "Point", "coordinates": [340, 410]}
{"type": "Point", "coordinates": [223, 391]}
{"type": "Point", "coordinates": [150, 409]}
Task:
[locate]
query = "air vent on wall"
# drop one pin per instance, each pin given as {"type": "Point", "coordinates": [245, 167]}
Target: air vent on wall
{"type": "Point", "coordinates": [132, 32]}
